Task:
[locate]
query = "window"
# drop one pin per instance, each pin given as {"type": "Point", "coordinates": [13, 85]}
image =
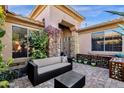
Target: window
{"type": "Point", "coordinates": [98, 41]}
{"type": "Point", "coordinates": [113, 41]}
{"type": "Point", "coordinates": [107, 41]}
{"type": "Point", "coordinates": [19, 42]}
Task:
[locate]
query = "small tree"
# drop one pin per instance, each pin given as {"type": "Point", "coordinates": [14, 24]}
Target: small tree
{"type": "Point", "coordinates": [39, 42]}
{"type": "Point", "coordinates": [116, 13]}
{"type": "Point", "coordinates": [119, 25]}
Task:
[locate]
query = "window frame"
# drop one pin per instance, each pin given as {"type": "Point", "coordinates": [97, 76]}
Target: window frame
{"type": "Point", "coordinates": [27, 31]}
{"type": "Point", "coordinates": [104, 47]}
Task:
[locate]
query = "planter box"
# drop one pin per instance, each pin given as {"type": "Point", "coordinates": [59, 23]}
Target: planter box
{"type": "Point", "coordinates": [101, 61]}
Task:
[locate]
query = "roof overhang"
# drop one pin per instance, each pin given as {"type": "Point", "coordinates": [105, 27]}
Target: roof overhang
{"type": "Point", "coordinates": [66, 9]}
{"type": "Point", "coordinates": [115, 21]}
{"type": "Point", "coordinates": [36, 11]}
{"type": "Point", "coordinates": [17, 19]}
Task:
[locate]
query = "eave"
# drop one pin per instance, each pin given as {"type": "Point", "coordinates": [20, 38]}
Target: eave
{"type": "Point", "coordinates": [66, 9]}
{"type": "Point", "coordinates": [115, 21]}
{"type": "Point", "coordinates": [36, 11]}
{"type": "Point", "coordinates": [17, 19]}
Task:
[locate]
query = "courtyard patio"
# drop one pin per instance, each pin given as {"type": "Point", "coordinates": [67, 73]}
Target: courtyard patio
{"type": "Point", "coordinates": [96, 77]}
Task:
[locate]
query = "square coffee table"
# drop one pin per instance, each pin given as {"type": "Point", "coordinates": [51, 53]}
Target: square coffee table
{"type": "Point", "coordinates": [69, 79]}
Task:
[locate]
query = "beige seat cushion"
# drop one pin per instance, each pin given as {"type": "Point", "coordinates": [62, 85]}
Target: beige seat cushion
{"type": "Point", "coordinates": [51, 67]}
{"type": "Point", "coordinates": [47, 61]}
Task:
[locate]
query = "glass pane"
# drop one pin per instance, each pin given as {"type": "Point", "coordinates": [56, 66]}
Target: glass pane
{"type": "Point", "coordinates": [19, 40]}
{"type": "Point", "coordinates": [113, 41]}
{"type": "Point", "coordinates": [98, 41]}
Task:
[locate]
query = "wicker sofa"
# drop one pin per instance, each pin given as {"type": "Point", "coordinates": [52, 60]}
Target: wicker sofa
{"type": "Point", "coordinates": [41, 70]}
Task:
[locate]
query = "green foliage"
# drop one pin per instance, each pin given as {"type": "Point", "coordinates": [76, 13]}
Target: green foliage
{"type": "Point", "coordinates": [121, 26]}
{"type": "Point", "coordinates": [2, 16]}
{"type": "Point", "coordinates": [116, 13]}
{"type": "Point", "coordinates": [39, 42]}
{"type": "Point", "coordinates": [8, 75]}
{"type": "Point", "coordinates": [2, 32]}
{"type": "Point", "coordinates": [4, 84]}
{"type": "Point", "coordinates": [120, 31]}
{"type": "Point", "coordinates": [10, 61]}
{"type": "Point", "coordinates": [3, 67]}
{"type": "Point", "coordinates": [5, 74]}
{"type": "Point", "coordinates": [120, 14]}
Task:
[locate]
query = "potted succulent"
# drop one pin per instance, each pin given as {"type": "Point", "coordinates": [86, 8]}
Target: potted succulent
{"type": "Point", "coordinates": [85, 61]}
{"type": "Point", "coordinates": [79, 60]}
{"type": "Point", "coordinates": [73, 59]}
{"type": "Point", "coordinates": [93, 63]}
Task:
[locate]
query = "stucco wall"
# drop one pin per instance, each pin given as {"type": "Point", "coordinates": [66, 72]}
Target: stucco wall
{"type": "Point", "coordinates": [7, 39]}
{"type": "Point", "coordinates": [53, 16]}
{"type": "Point", "coordinates": [57, 16]}
{"type": "Point", "coordinates": [85, 41]}
{"type": "Point", "coordinates": [45, 15]}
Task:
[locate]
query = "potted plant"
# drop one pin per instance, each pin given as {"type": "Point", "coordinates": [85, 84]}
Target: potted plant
{"type": "Point", "coordinates": [79, 60]}
{"type": "Point", "coordinates": [73, 59]}
{"type": "Point", "coordinates": [85, 61]}
{"type": "Point", "coordinates": [93, 62]}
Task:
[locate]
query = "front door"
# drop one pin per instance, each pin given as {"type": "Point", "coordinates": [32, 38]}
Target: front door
{"type": "Point", "coordinates": [67, 45]}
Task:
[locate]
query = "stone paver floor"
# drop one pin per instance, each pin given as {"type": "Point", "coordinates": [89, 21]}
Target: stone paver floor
{"type": "Point", "coordinates": [95, 78]}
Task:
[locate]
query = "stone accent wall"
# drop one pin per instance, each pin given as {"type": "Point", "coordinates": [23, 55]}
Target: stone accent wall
{"type": "Point", "coordinates": [54, 41]}
{"type": "Point", "coordinates": [72, 46]}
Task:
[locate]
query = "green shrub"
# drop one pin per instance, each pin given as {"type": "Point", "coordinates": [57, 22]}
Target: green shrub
{"type": "Point", "coordinates": [4, 84]}
{"type": "Point", "coordinates": [8, 75]}
{"type": "Point", "coordinates": [39, 42]}
{"type": "Point", "coordinates": [2, 16]}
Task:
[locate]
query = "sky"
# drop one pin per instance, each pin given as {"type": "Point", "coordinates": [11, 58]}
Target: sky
{"type": "Point", "coordinates": [94, 14]}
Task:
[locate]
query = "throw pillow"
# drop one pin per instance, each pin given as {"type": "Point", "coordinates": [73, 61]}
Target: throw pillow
{"type": "Point", "coordinates": [64, 59]}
